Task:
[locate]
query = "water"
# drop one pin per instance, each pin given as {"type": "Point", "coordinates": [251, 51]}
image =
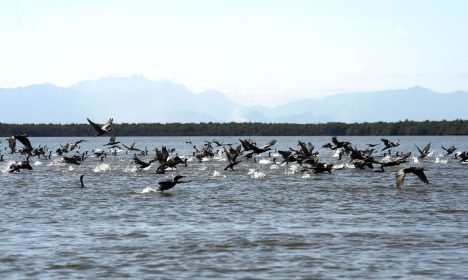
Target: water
{"type": "Point", "coordinates": [254, 222]}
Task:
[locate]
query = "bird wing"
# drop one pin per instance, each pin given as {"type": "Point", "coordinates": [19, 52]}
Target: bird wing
{"type": "Point", "coordinates": [420, 173]}
{"type": "Point", "coordinates": [269, 144]}
{"type": "Point", "coordinates": [310, 147]}
{"type": "Point", "coordinates": [108, 124]}
{"type": "Point", "coordinates": [400, 178]}
{"type": "Point", "coordinates": [96, 126]}
{"type": "Point", "coordinates": [385, 141]}
{"type": "Point", "coordinates": [444, 148]}
{"type": "Point", "coordinates": [24, 140]}
{"type": "Point", "coordinates": [421, 152]}
{"type": "Point", "coordinates": [246, 145]}
{"type": "Point", "coordinates": [164, 154]}
{"type": "Point", "coordinates": [137, 160]}
{"type": "Point", "coordinates": [426, 149]}
{"type": "Point", "coordinates": [304, 149]}
{"type": "Point", "coordinates": [12, 142]}
{"type": "Point", "coordinates": [228, 154]}
{"type": "Point", "coordinates": [284, 154]}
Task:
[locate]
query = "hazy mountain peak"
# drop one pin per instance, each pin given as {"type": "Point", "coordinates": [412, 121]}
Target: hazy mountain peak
{"type": "Point", "coordinates": [417, 88]}
{"type": "Point", "coordinates": [138, 99]}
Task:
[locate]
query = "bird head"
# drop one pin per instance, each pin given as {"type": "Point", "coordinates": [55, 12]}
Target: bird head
{"type": "Point", "coordinates": [178, 177]}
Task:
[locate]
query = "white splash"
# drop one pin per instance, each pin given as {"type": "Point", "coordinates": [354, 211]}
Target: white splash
{"type": "Point", "coordinates": [148, 190]}
{"type": "Point", "coordinates": [6, 167]}
{"type": "Point", "coordinates": [103, 167]}
{"type": "Point", "coordinates": [441, 160]}
{"type": "Point", "coordinates": [415, 160]}
{"type": "Point", "coordinates": [220, 157]}
{"type": "Point", "coordinates": [338, 166]}
{"type": "Point", "coordinates": [337, 153]}
{"type": "Point", "coordinates": [218, 174]}
{"type": "Point", "coordinates": [37, 163]}
{"type": "Point", "coordinates": [431, 153]}
{"type": "Point", "coordinates": [53, 163]}
{"type": "Point", "coordinates": [265, 161]}
{"type": "Point", "coordinates": [70, 168]}
{"type": "Point", "coordinates": [293, 168]}
{"type": "Point", "coordinates": [132, 169]}
{"type": "Point", "coordinates": [274, 166]}
{"type": "Point", "coordinates": [257, 175]}
{"type": "Point", "coordinates": [306, 176]}
{"type": "Point", "coordinates": [203, 168]}
{"type": "Point", "coordinates": [387, 159]}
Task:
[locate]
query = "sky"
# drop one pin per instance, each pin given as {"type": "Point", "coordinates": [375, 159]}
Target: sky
{"type": "Point", "coordinates": [256, 52]}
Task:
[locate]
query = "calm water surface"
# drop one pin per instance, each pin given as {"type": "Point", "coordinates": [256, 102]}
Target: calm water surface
{"type": "Point", "coordinates": [254, 222]}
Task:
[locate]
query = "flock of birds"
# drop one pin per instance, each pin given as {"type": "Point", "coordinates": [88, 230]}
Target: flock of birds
{"type": "Point", "coordinates": [247, 150]}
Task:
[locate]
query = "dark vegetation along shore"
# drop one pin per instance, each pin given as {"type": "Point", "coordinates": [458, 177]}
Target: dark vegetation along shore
{"type": "Point", "coordinates": [456, 127]}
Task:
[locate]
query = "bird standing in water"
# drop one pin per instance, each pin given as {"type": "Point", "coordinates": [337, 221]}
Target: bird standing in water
{"type": "Point", "coordinates": [81, 181]}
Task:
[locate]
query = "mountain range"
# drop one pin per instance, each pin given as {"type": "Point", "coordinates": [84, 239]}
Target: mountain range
{"type": "Point", "coordinates": [137, 99]}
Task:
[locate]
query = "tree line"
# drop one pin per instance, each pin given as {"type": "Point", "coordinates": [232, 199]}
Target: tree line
{"type": "Point", "coordinates": [455, 127]}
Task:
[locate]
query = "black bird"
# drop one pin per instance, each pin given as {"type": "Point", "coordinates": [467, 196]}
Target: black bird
{"type": "Point", "coordinates": [339, 144]}
{"type": "Point", "coordinates": [131, 148]}
{"type": "Point", "coordinates": [101, 130]}
{"type": "Point", "coordinates": [328, 146]}
{"type": "Point", "coordinates": [425, 151]}
{"type": "Point", "coordinates": [418, 171]}
{"type": "Point", "coordinates": [322, 167]}
{"type": "Point", "coordinates": [18, 165]}
{"type": "Point", "coordinates": [169, 184]}
{"type": "Point", "coordinates": [389, 144]}
{"type": "Point", "coordinates": [25, 141]}
{"type": "Point", "coordinates": [463, 157]}
{"type": "Point", "coordinates": [206, 151]}
{"type": "Point", "coordinates": [248, 146]}
{"type": "Point", "coordinates": [141, 163]}
{"type": "Point", "coordinates": [76, 159]}
{"type": "Point", "coordinates": [287, 156]}
{"type": "Point", "coordinates": [81, 181]}
{"type": "Point", "coordinates": [449, 150]}
{"type": "Point", "coordinates": [231, 155]}
{"type": "Point", "coordinates": [112, 141]}
{"type": "Point", "coordinates": [72, 146]}
{"type": "Point", "coordinates": [100, 153]}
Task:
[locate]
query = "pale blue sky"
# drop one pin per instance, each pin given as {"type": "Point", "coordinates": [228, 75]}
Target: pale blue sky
{"type": "Point", "coordinates": [257, 52]}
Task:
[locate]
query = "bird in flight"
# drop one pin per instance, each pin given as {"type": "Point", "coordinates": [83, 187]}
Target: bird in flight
{"type": "Point", "coordinates": [101, 130]}
{"type": "Point", "coordinates": [418, 171]}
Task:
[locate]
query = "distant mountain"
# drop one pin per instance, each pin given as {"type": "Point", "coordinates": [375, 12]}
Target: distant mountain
{"type": "Point", "coordinates": [137, 99]}
{"type": "Point", "coordinates": [415, 103]}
